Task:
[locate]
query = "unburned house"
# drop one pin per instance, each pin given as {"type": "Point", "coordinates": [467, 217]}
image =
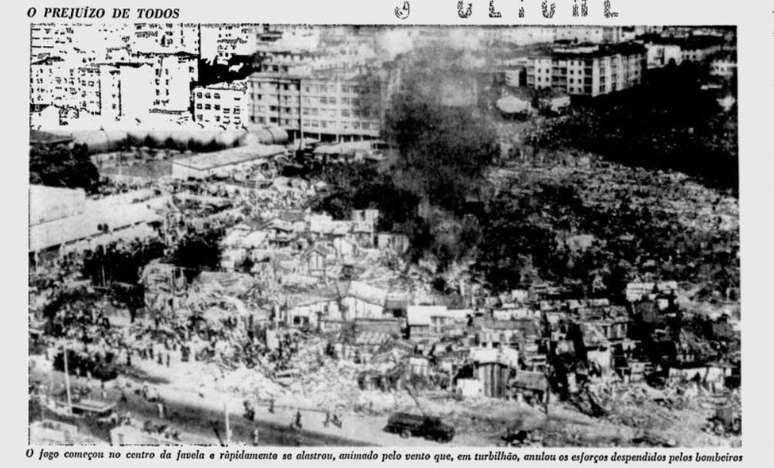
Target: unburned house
{"type": "Point", "coordinates": [361, 300]}
{"type": "Point", "coordinates": [494, 368]}
{"type": "Point", "coordinates": [432, 322]}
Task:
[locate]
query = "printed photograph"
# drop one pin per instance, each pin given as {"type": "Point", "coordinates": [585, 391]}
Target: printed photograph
{"type": "Point", "coordinates": [301, 235]}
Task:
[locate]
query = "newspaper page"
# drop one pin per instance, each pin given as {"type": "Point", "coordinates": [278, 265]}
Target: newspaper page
{"type": "Point", "coordinates": [397, 231]}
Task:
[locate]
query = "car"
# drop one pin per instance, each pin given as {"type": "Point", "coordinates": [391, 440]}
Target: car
{"type": "Point", "coordinates": [429, 427]}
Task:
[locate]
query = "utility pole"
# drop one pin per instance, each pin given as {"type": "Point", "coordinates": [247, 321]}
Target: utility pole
{"type": "Point", "coordinates": [228, 429]}
{"type": "Point", "coordinates": [67, 382]}
{"type": "Point", "coordinates": [300, 120]}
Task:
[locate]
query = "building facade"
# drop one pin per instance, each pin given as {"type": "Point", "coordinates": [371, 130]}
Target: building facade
{"type": "Point", "coordinates": [324, 106]}
{"type": "Point", "coordinates": [588, 69]}
{"type": "Point", "coordinates": [221, 105]}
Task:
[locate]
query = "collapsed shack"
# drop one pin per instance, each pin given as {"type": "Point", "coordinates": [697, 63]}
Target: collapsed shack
{"type": "Point", "coordinates": [726, 420]}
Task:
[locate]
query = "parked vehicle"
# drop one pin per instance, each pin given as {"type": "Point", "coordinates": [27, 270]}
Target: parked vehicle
{"type": "Point", "coordinates": [428, 427]}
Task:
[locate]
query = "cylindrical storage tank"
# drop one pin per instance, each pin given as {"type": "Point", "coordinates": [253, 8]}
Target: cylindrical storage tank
{"type": "Point", "coordinates": [229, 137]}
{"type": "Point", "coordinates": [266, 136]}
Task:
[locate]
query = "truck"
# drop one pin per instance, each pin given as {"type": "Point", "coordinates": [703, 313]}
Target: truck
{"type": "Point", "coordinates": [429, 427]}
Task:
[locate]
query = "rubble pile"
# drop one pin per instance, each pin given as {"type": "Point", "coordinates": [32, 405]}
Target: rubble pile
{"type": "Point", "coordinates": [250, 383]}
{"type": "Point", "coordinates": [635, 405]}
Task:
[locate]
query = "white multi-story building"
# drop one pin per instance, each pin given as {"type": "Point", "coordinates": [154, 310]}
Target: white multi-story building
{"type": "Point", "coordinates": [165, 38]}
{"type": "Point", "coordinates": [47, 77]}
{"type": "Point", "coordinates": [662, 54]}
{"type": "Point", "coordinates": [588, 69]}
{"type": "Point", "coordinates": [75, 42]}
{"type": "Point", "coordinates": [53, 82]}
{"type": "Point", "coordinates": [223, 105]}
{"type": "Point", "coordinates": [220, 42]}
{"type": "Point", "coordinates": [521, 35]}
{"type": "Point", "coordinates": [87, 91]}
{"type": "Point", "coordinates": [127, 91]}
{"type": "Point", "coordinates": [174, 73]}
{"type": "Point", "coordinates": [662, 51]}
{"type": "Point", "coordinates": [589, 34]}
{"type": "Point", "coordinates": [324, 105]}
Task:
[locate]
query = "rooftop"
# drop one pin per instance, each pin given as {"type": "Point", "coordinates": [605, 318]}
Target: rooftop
{"type": "Point", "coordinates": [598, 50]}
{"type": "Point", "coordinates": [230, 156]}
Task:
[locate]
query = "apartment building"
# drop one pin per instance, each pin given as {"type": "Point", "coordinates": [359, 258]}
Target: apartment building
{"type": "Point", "coordinates": [700, 48]}
{"type": "Point", "coordinates": [589, 34]}
{"type": "Point", "coordinates": [325, 105]}
{"type": "Point", "coordinates": [662, 54]}
{"type": "Point", "coordinates": [78, 43]}
{"type": "Point", "coordinates": [588, 69]}
{"type": "Point", "coordinates": [220, 42]}
{"type": "Point", "coordinates": [48, 80]}
{"type": "Point", "coordinates": [126, 90]}
{"type": "Point", "coordinates": [56, 83]}
{"type": "Point", "coordinates": [662, 50]}
{"type": "Point", "coordinates": [174, 73]}
{"type": "Point", "coordinates": [222, 105]}
{"type": "Point", "coordinates": [165, 38]}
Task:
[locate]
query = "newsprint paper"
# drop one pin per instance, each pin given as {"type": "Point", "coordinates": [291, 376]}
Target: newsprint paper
{"type": "Point", "coordinates": [319, 233]}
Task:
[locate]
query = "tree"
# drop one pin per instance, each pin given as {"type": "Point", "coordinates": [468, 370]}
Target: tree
{"type": "Point", "coordinates": [198, 251]}
{"type": "Point", "coordinates": [63, 166]}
